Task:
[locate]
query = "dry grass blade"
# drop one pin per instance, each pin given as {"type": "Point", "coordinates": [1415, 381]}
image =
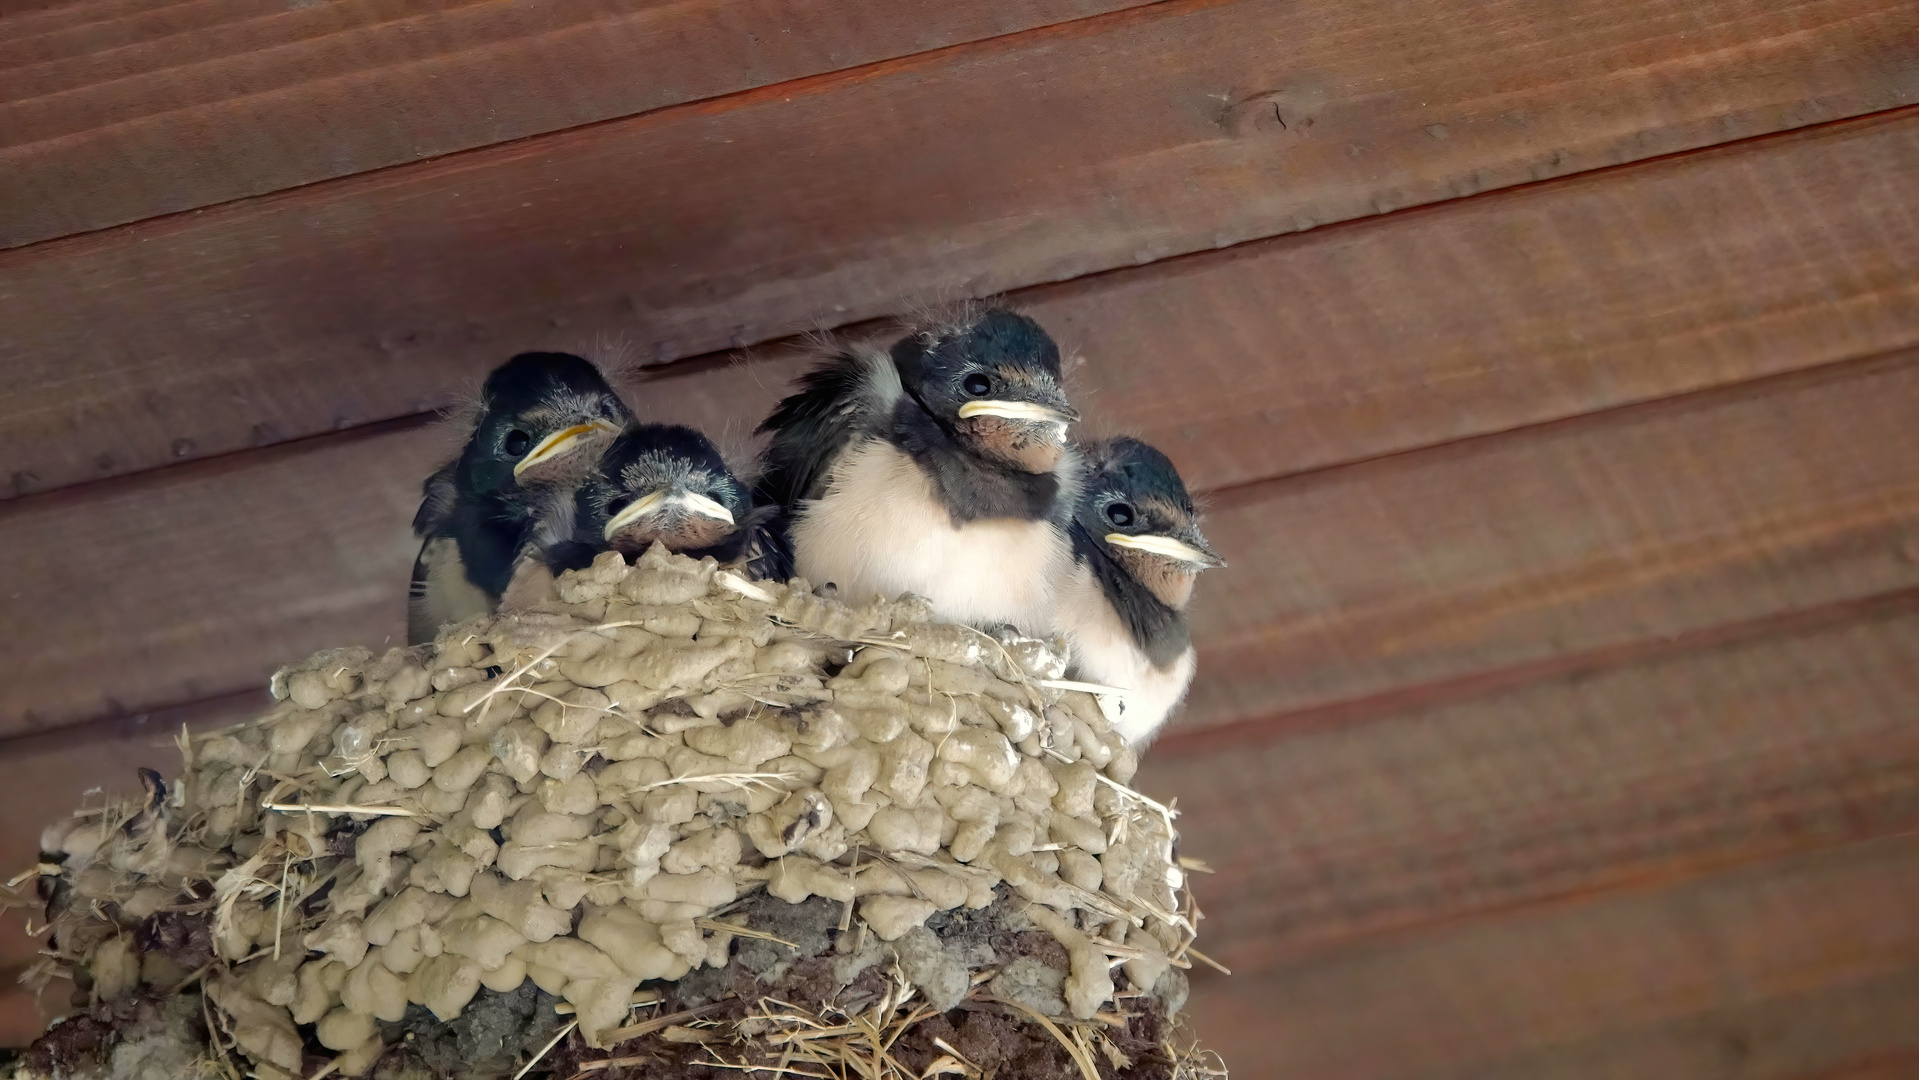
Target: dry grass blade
{"type": "Point", "coordinates": [341, 808]}
{"type": "Point", "coordinates": [735, 583]}
{"type": "Point", "coordinates": [1078, 1053]}
{"type": "Point", "coordinates": [742, 931]}
{"type": "Point", "coordinates": [771, 1070]}
{"type": "Point", "coordinates": [1083, 687]}
{"type": "Point", "coordinates": [640, 997]}
{"type": "Point", "coordinates": [1208, 961]}
{"type": "Point", "coordinates": [547, 1049]}
{"type": "Point", "coordinates": [658, 1023]}
{"type": "Point", "coordinates": [742, 779]}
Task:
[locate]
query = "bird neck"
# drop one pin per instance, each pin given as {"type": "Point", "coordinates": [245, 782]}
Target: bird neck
{"type": "Point", "coordinates": [970, 487]}
{"type": "Point", "coordinates": [1157, 628]}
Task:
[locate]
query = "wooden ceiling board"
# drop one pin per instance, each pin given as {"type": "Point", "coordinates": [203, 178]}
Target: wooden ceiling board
{"type": "Point", "coordinates": [187, 106]}
{"type": "Point", "coordinates": [1629, 526]}
{"type": "Point", "coordinates": [975, 169]}
{"type": "Point", "coordinates": [1658, 769]}
{"type": "Point", "coordinates": [1801, 969]}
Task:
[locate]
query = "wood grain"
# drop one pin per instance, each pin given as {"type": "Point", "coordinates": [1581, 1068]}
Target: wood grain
{"type": "Point", "coordinates": [1589, 534]}
{"type": "Point", "coordinates": [174, 108]}
{"type": "Point", "coordinates": [1352, 583]}
{"type": "Point", "coordinates": [201, 581]}
{"type": "Point", "coordinates": [1366, 338]}
{"type": "Point", "coordinates": [1371, 338]}
{"type": "Point", "coordinates": [1038, 157]}
{"type": "Point", "coordinates": [1652, 770]}
{"type": "Point", "coordinates": [1492, 313]}
{"type": "Point", "coordinates": [1802, 969]}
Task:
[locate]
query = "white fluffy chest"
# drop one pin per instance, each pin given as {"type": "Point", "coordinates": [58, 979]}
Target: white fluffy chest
{"type": "Point", "coordinates": [880, 529]}
{"type": "Point", "coordinates": [1103, 651]}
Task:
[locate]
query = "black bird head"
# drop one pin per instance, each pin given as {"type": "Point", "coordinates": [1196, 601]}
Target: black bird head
{"type": "Point", "coordinates": [545, 418]}
{"type": "Point", "coordinates": [993, 383]}
{"type": "Point", "coordinates": [664, 483]}
{"type": "Point", "coordinates": [1134, 509]}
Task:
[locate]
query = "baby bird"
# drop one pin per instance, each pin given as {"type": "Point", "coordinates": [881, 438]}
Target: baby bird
{"type": "Point", "coordinates": [1122, 607]}
{"type": "Point", "coordinates": [940, 467]}
{"type": "Point", "coordinates": [544, 420]}
{"type": "Point", "coordinates": [668, 484]}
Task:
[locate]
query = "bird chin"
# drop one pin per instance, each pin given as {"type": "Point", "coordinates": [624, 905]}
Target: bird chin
{"type": "Point", "coordinates": [1169, 580]}
{"type": "Point", "coordinates": [680, 532]}
{"type": "Point", "coordinates": [1033, 446]}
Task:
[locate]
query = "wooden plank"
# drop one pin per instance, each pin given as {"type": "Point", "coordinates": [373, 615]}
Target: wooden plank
{"type": "Point", "coordinates": [1105, 142]}
{"type": "Point", "coordinates": [1655, 769]}
{"type": "Point", "coordinates": [1586, 535]}
{"type": "Point", "coordinates": [161, 110]}
{"type": "Point", "coordinates": [1367, 339]}
{"type": "Point", "coordinates": [202, 581]}
{"type": "Point", "coordinates": [1350, 584]}
{"type": "Point", "coordinates": [1800, 969]}
{"type": "Point", "coordinates": [67, 28]}
{"type": "Point", "coordinates": [1478, 315]}
{"type": "Point", "coordinates": [79, 28]}
{"type": "Point", "coordinates": [33, 17]}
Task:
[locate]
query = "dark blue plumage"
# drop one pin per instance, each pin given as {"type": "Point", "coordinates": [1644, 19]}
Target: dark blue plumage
{"type": "Point", "coordinates": [939, 467]}
{"type": "Point", "coordinates": [544, 420]}
{"type": "Point", "coordinates": [1137, 549]}
{"type": "Point", "coordinates": [668, 484]}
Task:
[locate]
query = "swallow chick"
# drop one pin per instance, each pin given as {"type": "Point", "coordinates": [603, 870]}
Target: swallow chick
{"type": "Point", "coordinates": [544, 420]}
{"type": "Point", "coordinates": [1137, 550]}
{"type": "Point", "coordinates": [939, 467]}
{"type": "Point", "coordinates": [668, 484]}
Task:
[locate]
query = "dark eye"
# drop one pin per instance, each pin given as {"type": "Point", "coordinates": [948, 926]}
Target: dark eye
{"type": "Point", "coordinates": [518, 442]}
{"type": "Point", "coordinates": [1120, 514]}
{"type": "Point", "coordinates": [977, 385]}
{"type": "Point", "coordinates": [622, 502]}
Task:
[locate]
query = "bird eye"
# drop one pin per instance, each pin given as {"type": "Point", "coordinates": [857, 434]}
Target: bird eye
{"type": "Point", "coordinates": [1120, 514]}
{"type": "Point", "coordinates": [619, 504]}
{"type": "Point", "coordinates": [518, 442]}
{"type": "Point", "coordinates": [977, 385]}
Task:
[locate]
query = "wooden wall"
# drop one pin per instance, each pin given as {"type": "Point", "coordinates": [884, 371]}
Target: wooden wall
{"type": "Point", "coordinates": [1551, 370]}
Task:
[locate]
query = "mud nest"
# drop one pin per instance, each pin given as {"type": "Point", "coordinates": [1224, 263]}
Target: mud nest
{"type": "Point", "coordinates": [664, 822]}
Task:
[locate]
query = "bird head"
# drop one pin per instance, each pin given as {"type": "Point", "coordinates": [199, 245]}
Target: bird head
{"type": "Point", "coordinates": [666, 484]}
{"type": "Point", "coordinates": [994, 383]}
{"type": "Point", "coordinates": [1135, 508]}
{"type": "Point", "coordinates": [545, 419]}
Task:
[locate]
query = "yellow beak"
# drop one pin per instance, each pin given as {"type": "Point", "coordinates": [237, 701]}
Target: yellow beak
{"type": "Point", "coordinates": [1166, 547]}
{"type": "Point", "coordinates": [560, 443]}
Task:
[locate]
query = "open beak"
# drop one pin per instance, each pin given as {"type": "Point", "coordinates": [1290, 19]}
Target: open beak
{"type": "Point", "coordinates": [561, 443]}
{"type": "Point", "coordinates": [1167, 547]}
{"type": "Point", "coordinates": [659, 501]}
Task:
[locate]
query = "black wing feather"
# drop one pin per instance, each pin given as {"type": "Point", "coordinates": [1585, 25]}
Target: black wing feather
{"type": "Point", "coordinates": [810, 428]}
{"type": "Point", "coordinates": [438, 496]}
{"type": "Point", "coordinates": [769, 552]}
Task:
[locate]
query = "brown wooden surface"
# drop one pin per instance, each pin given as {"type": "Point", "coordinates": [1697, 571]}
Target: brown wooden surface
{"type": "Point", "coordinates": [1651, 770]}
{"type": "Point", "coordinates": [174, 108]}
{"type": "Point", "coordinates": [1350, 583]}
{"type": "Point", "coordinates": [1042, 156]}
{"type": "Point", "coordinates": [1558, 717]}
{"type": "Point", "coordinates": [1561, 539]}
{"type": "Point", "coordinates": [1800, 969]}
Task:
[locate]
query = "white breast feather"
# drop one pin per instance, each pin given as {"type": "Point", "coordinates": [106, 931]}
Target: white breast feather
{"type": "Point", "coordinates": [880, 530]}
{"type": "Point", "coordinates": [1103, 651]}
